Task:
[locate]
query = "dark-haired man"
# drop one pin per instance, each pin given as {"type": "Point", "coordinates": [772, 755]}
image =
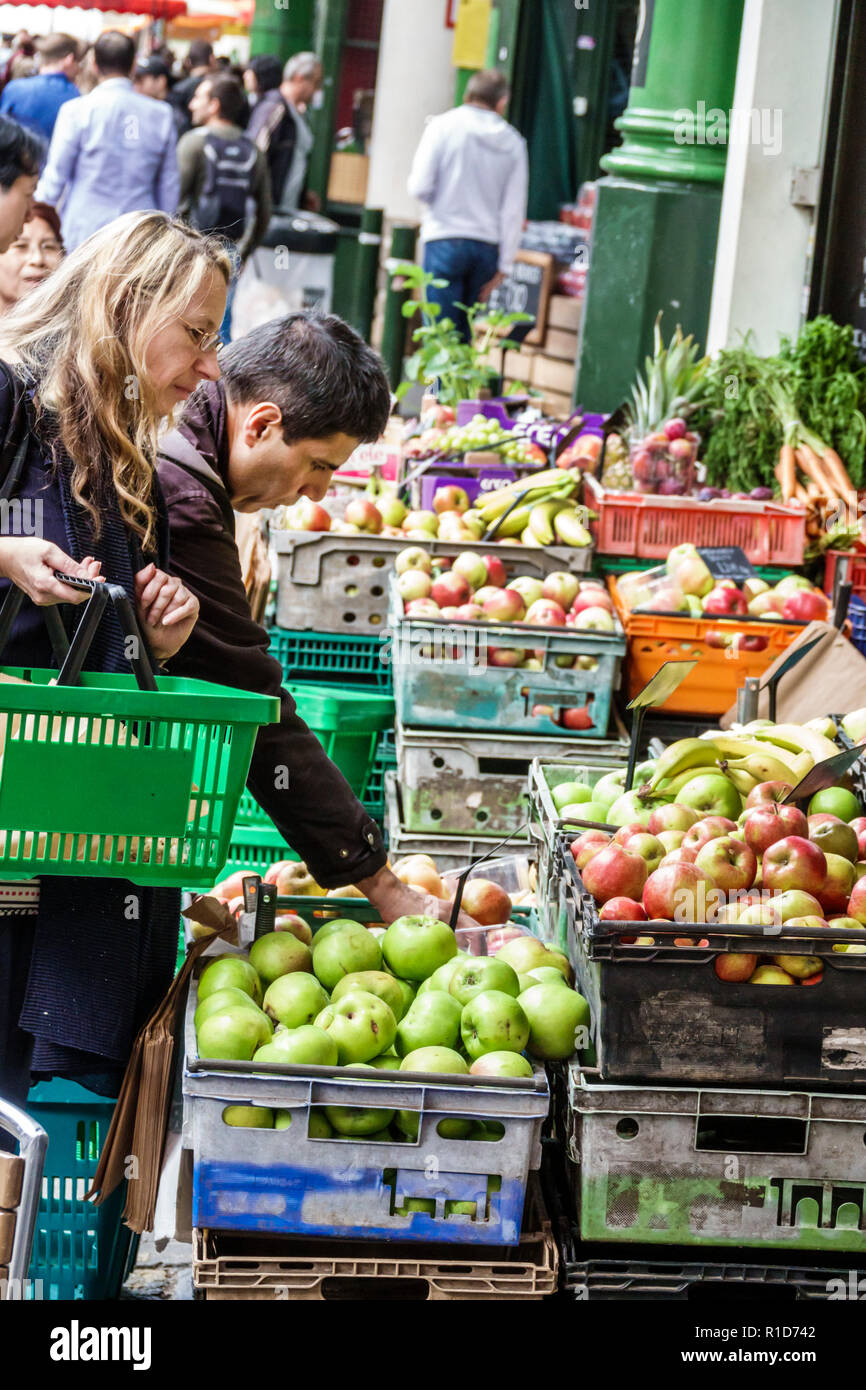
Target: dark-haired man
{"type": "Point", "coordinates": [21, 153]}
{"type": "Point", "coordinates": [200, 63]}
{"type": "Point", "coordinates": [295, 398]}
{"type": "Point", "coordinates": [112, 151]}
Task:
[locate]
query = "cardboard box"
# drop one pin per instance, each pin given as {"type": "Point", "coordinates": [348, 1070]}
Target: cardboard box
{"type": "Point", "coordinates": [520, 366]}
{"type": "Point", "coordinates": [347, 181]}
{"type": "Point", "coordinates": [553, 375]}
{"type": "Point", "coordinates": [564, 312]}
{"type": "Point", "coordinates": [557, 405]}
{"type": "Point", "coordinates": [562, 344]}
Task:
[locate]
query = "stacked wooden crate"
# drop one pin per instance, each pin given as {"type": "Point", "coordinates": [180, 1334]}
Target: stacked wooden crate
{"type": "Point", "coordinates": [551, 367]}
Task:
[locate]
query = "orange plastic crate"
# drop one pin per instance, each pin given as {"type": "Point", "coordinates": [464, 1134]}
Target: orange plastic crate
{"type": "Point", "coordinates": [712, 686]}
{"type": "Point", "coordinates": [646, 526]}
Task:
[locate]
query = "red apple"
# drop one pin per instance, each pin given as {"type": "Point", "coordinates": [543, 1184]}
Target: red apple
{"type": "Point", "coordinates": [728, 862]}
{"type": "Point", "coordinates": [591, 598]}
{"type": "Point", "coordinates": [679, 892]}
{"type": "Point", "coordinates": [726, 600]}
{"type": "Point", "coordinates": [671, 839]}
{"type": "Point", "coordinates": [504, 606]}
{"type": "Point", "coordinates": [625, 832]}
{"type": "Point", "coordinates": [710, 828]}
{"type": "Point", "coordinates": [734, 966]}
{"type": "Point", "coordinates": [768, 791]}
{"type": "Point", "coordinates": [364, 514]}
{"type": "Point", "coordinates": [472, 568]}
{"type": "Point", "coordinates": [423, 608]}
{"type": "Point", "coordinates": [451, 590]}
{"type": "Point", "coordinates": [622, 910]}
{"type": "Point", "coordinates": [545, 613]}
{"type": "Point", "coordinates": [468, 613]}
{"type": "Point", "coordinates": [674, 817]}
{"type": "Point", "coordinates": [857, 902]}
{"type": "Point", "coordinates": [496, 571]}
{"type": "Point", "coordinates": [806, 606]}
{"type": "Point", "coordinates": [587, 845]}
{"type": "Point", "coordinates": [822, 818]}
{"type": "Point", "coordinates": [450, 499]}
{"type": "Point", "coordinates": [579, 718]}
{"type": "Point", "coordinates": [651, 850]}
{"type": "Point", "coordinates": [768, 822]}
{"type": "Point", "coordinates": [858, 825]}
{"type": "Point", "coordinates": [486, 902]}
{"type": "Point", "coordinates": [595, 619]}
{"type": "Point", "coordinates": [680, 855]}
{"type": "Point", "coordinates": [838, 884]}
{"type": "Point", "coordinates": [614, 873]}
{"type": "Point", "coordinates": [505, 656]}
{"type": "Point", "coordinates": [561, 588]}
{"type": "Point", "coordinates": [794, 862]}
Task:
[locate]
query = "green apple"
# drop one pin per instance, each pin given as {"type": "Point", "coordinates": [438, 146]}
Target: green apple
{"type": "Point", "coordinates": [631, 809]}
{"type": "Point", "coordinates": [223, 999]}
{"type": "Point", "coordinates": [230, 971]}
{"type": "Point", "coordinates": [408, 992]}
{"type": "Point", "coordinates": [835, 801]}
{"type": "Point", "coordinates": [293, 1000]}
{"type": "Point", "coordinates": [437, 1060]}
{"type": "Point", "coordinates": [279, 953]}
{"type": "Point", "coordinates": [607, 789]}
{"type": "Point", "coordinates": [361, 1024]}
{"type": "Point", "coordinates": [416, 946]}
{"type": "Point", "coordinates": [432, 1021]}
{"type": "Point", "coordinates": [249, 1116]}
{"type": "Point", "coordinates": [494, 1022]}
{"type": "Point", "coordinates": [233, 1035]}
{"type": "Point", "coordinates": [526, 953]}
{"type": "Point", "coordinates": [454, 1127]}
{"type": "Point", "coordinates": [712, 794]}
{"type": "Point", "coordinates": [336, 924]}
{"type": "Point", "coordinates": [441, 978]}
{"type": "Point", "coordinates": [388, 1061]}
{"type": "Point", "coordinates": [554, 1014]}
{"type": "Point", "coordinates": [357, 1120]}
{"type": "Point", "coordinates": [308, 1046]}
{"type": "Point", "coordinates": [319, 1127]}
{"type": "Point", "coordinates": [501, 1064]}
{"type": "Point", "coordinates": [489, 1132]}
{"type": "Point", "coordinates": [481, 973]}
{"type": "Point", "coordinates": [528, 588]}
{"type": "Point", "coordinates": [545, 975]}
{"type": "Point", "coordinates": [374, 982]}
{"type": "Point", "coordinates": [282, 1119]}
{"type": "Point", "coordinates": [570, 793]}
{"type": "Point", "coordinates": [345, 953]}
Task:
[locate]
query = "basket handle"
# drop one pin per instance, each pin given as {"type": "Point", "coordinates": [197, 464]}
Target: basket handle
{"type": "Point", "coordinates": [70, 656]}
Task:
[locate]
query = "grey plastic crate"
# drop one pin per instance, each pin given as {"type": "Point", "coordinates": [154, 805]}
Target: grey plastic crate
{"type": "Point", "coordinates": [287, 1183]}
{"type": "Point", "coordinates": [449, 851]}
{"type": "Point", "coordinates": [334, 583]}
{"type": "Point", "coordinates": [477, 784]}
{"type": "Point", "coordinates": [713, 1167]}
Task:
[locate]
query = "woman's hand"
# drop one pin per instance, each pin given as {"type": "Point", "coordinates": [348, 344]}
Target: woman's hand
{"type": "Point", "coordinates": [166, 610]}
{"type": "Point", "coordinates": [30, 563]}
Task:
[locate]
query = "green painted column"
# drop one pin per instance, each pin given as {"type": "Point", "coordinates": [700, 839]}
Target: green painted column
{"type": "Point", "coordinates": [656, 222]}
{"type": "Point", "coordinates": [393, 349]}
{"type": "Point", "coordinates": [282, 28]}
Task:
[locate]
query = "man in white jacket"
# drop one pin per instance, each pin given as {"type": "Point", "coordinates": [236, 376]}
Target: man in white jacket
{"type": "Point", "coordinates": [471, 170]}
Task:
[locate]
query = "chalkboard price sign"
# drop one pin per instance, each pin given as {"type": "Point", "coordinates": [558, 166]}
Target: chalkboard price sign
{"type": "Point", "coordinates": [727, 562]}
{"type": "Point", "coordinates": [527, 291]}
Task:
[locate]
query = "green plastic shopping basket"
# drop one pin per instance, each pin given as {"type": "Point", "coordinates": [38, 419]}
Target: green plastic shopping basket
{"type": "Point", "coordinates": [121, 776]}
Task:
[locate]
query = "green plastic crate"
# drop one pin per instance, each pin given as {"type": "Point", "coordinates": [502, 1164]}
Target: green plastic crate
{"type": "Point", "coordinates": [347, 723]}
{"type": "Point", "coordinates": [80, 1251]}
{"type": "Point", "coordinates": [624, 564]}
{"type": "Point", "coordinates": [384, 760]}
{"type": "Point", "coordinates": [329, 658]}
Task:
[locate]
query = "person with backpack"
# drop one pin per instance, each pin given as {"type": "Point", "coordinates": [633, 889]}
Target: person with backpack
{"type": "Point", "coordinates": [224, 183]}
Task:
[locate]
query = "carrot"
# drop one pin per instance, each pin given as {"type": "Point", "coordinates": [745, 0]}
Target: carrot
{"type": "Point", "coordinates": [811, 466]}
{"type": "Point", "coordinates": [801, 495]}
{"type": "Point", "coordinates": [839, 474]}
{"type": "Point", "coordinates": [786, 472]}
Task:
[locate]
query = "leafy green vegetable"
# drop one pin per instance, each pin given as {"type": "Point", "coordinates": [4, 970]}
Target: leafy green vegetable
{"type": "Point", "coordinates": [829, 388]}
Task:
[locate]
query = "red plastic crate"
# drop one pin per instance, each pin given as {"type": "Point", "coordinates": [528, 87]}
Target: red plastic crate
{"type": "Point", "coordinates": [640, 524]}
{"type": "Point", "coordinates": [856, 571]}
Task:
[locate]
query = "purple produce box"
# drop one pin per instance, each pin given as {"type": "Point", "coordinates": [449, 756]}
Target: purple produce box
{"type": "Point", "coordinates": [496, 409]}
{"type": "Point", "coordinates": [473, 484]}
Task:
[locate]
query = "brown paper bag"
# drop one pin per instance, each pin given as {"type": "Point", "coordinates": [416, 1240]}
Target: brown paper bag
{"type": "Point", "coordinates": [831, 679]}
{"type": "Point", "coordinates": [136, 1137]}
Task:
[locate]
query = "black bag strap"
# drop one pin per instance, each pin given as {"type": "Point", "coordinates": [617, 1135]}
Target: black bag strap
{"type": "Point", "coordinates": [16, 443]}
{"type": "Point", "coordinates": [101, 593]}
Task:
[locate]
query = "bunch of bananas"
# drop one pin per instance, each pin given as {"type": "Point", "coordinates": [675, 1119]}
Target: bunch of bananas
{"type": "Point", "coordinates": [746, 754]}
{"type": "Point", "coordinates": [546, 513]}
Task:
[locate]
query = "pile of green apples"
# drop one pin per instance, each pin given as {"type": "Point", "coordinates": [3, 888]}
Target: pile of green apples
{"type": "Point", "coordinates": [401, 999]}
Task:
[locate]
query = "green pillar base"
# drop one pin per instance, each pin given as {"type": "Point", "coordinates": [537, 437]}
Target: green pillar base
{"type": "Point", "coordinates": [653, 247]}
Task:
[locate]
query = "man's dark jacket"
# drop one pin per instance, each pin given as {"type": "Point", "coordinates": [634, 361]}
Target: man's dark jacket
{"type": "Point", "coordinates": [273, 128]}
{"type": "Point", "coordinates": [318, 813]}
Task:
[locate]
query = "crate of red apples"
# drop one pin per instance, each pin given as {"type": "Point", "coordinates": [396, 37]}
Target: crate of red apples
{"type": "Point", "coordinates": [695, 927]}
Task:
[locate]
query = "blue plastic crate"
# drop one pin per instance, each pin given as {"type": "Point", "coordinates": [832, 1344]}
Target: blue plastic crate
{"type": "Point", "coordinates": [857, 614]}
{"type": "Point", "coordinates": [80, 1251]}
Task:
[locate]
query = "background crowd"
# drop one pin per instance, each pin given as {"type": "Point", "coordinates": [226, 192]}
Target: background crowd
{"type": "Point", "coordinates": [219, 146]}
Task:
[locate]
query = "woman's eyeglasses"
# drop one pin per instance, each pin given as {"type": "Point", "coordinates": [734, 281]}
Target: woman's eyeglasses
{"type": "Point", "coordinates": [204, 341]}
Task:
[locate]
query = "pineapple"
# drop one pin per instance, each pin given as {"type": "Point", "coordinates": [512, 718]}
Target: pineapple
{"type": "Point", "coordinates": [673, 380]}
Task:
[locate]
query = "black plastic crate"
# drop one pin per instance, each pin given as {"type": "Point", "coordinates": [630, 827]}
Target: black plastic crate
{"type": "Point", "coordinates": [686, 1280]}
{"type": "Point", "coordinates": [660, 1013]}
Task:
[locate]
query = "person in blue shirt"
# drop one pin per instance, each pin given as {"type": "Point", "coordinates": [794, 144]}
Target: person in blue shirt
{"type": "Point", "coordinates": [35, 101]}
